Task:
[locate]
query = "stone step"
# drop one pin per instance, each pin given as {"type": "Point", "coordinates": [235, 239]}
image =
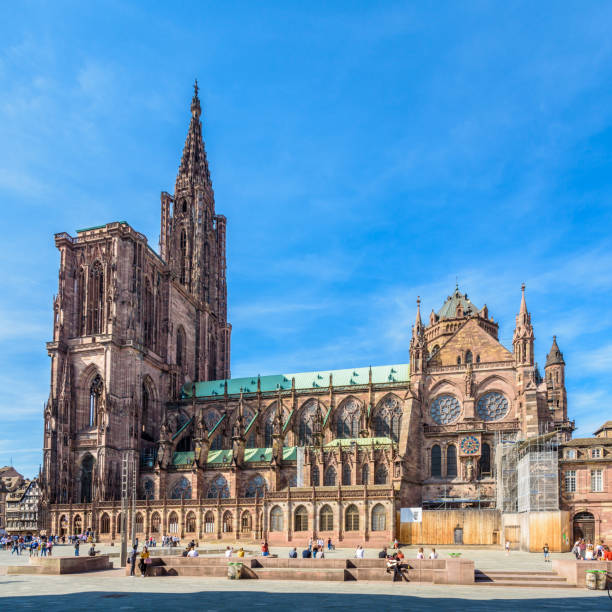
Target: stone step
{"type": "Point", "coordinates": [527, 584]}
{"type": "Point", "coordinates": [518, 577]}
{"type": "Point", "coordinates": [282, 573]}
{"type": "Point", "coordinates": [204, 571]}
{"type": "Point", "coordinates": [513, 572]}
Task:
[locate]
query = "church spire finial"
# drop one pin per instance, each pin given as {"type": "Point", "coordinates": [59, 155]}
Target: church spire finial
{"type": "Point", "coordinates": [195, 101]}
{"type": "Point", "coordinates": [418, 321]}
{"type": "Point", "coordinates": [523, 303]}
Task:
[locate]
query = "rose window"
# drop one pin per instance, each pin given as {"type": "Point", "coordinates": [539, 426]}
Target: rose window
{"type": "Point", "coordinates": [492, 406]}
{"type": "Point", "coordinates": [445, 409]}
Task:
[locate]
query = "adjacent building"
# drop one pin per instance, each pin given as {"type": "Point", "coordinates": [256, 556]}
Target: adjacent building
{"type": "Point", "coordinates": [586, 484]}
{"type": "Point", "coordinates": [10, 481]}
{"type": "Point", "coordinates": [23, 508]}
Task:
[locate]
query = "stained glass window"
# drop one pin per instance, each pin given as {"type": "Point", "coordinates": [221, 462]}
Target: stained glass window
{"type": "Point", "coordinates": [387, 420]}
{"type": "Point", "coordinates": [347, 420]}
{"type": "Point", "coordinates": [181, 490]}
{"type": "Point", "coordinates": [256, 487]}
{"type": "Point", "coordinates": [492, 406]}
{"type": "Point", "coordinates": [218, 488]}
{"type": "Point", "coordinates": [445, 409]}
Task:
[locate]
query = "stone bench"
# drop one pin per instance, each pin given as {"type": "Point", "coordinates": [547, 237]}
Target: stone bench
{"type": "Point", "coordinates": [62, 565]}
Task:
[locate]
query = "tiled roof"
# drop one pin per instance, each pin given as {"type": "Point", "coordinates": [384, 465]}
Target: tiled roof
{"type": "Point", "coordinates": [449, 309]}
{"type": "Point", "coordinates": [303, 380]}
{"type": "Point", "coordinates": [588, 442]}
{"type": "Point", "coordinates": [606, 425]}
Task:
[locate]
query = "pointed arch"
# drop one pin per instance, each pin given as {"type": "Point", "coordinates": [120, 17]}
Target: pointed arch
{"type": "Point", "coordinates": [139, 523]}
{"type": "Point", "coordinates": [95, 299]}
{"type": "Point", "coordinates": [218, 488]}
{"type": "Point", "coordinates": [346, 475]}
{"type": "Point", "coordinates": [81, 307]}
{"type": "Point", "coordinates": [181, 489]}
{"type": "Point", "coordinates": [180, 346]}
{"type": "Point", "coordinates": [436, 461]}
{"type": "Point", "coordinates": [184, 261]}
{"type": "Point", "coordinates": [451, 461]}
{"type": "Point", "coordinates": [365, 474]}
{"type": "Point", "coordinates": [305, 422]}
{"type": "Point", "coordinates": [381, 474]}
{"type": "Point", "coordinates": [209, 522]}
{"type": "Point", "coordinates": [173, 523]}
{"type": "Point", "coordinates": [228, 522]}
{"type": "Point", "coordinates": [148, 315]}
{"type": "Point", "coordinates": [347, 418]}
{"type": "Point", "coordinates": [86, 478]}
{"type": "Point", "coordinates": [155, 522]}
{"type": "Point", "coordinates": [387, 418]}
{"type": "Point", "coordinates": [148, 403]}
{"type": "Point", "coordinates": [256, 486]}
{"type": "Point", "coordinates": [330, 477]}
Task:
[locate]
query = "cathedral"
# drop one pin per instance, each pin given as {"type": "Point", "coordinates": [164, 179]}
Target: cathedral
{"type": "Point", "coordinates": [140, 377]}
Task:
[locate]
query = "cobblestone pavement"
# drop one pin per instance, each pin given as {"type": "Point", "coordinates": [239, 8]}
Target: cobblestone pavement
{"type": "Point", "coordinates": [113, 590]}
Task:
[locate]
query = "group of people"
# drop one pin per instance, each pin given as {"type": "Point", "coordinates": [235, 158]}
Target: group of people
{"type": "Point", "coordinates": [168, 540]}
{"type": "Point", "coordinates": [144, 560]}
{"type": "Point", "coordinates": [229, 552]}
{"type": "Point", "coordinates": [36, 545]}
{"type": "Point", "coordinates": [586, 551]}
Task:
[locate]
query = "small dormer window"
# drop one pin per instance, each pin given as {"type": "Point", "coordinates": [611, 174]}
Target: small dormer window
{"type": "Point", "coordinates": [596, 453]}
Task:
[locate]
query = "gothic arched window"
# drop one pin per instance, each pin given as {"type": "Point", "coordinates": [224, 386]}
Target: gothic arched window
{"type": "Point", "coordinates": [86, 479]}
{"type": "Point", "coordinates": [251, 441]}
{"type": "Point", "coordinates": [315, 476]}
{"type": "Point", "coordinates": [180, 346]}
{"type": "Point", "coordinates": [346, 475]}
{"type": "Point", "coordinates": [484, 463]}
{"type": "Point", "coordinates": [81, 313]}
{"type": "Point", "coordinates": [388, 419]}
{"type": "Point", "coordinates": [95, 299]}
{"type": "Point", "coordinates": [365, 474]}
{"type": "Point", "coordinates": [436, 461]}
{"type": "Point", "coordinates": [379, 518]}
{"type": "Point", "coordinates": [351, 518]}
{"type": "Point", "coordinates": [347, 419]}
{"type": "Point", "coordinates": [380, 475]}
{"type": "Point", "coordinates": [269, 428]}
{"type": "Point", "coordinates": [181, 490]}
{"type": "Point", "coordinates": [468, 357]}
{"type": "Point", "coordinates": [146, 401]}
{"type": "Point", "coordinates": [256, 487]}
{"type": "Point", "coordinates": [451, 461]}
{"type": "Point", "coordinates": [183, 246]}
{"type": "Point", "coordinates": [306, 422]}
{"type": "Point", "coordinates": [149, 489]}
{"type": "Point", "coordinates": [149, 316]}
{"type": "Point", "coordinates": [218, 488]}
{"type": "Point", "coordinates": [95, 393]}
{"type": "Point", "coordinates": [330, 477]}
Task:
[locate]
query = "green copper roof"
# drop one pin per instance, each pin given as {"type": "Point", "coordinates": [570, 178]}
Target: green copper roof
{"type": "Point", "coordinates": [218, 456]}
{"type": "Point", "coordinates": [95, 227]}
{"type": "Point", "coordinates": [303, 380]}
{"type": "Point", "coordinates": [184, 458]}
{"type": "Point", "coordinates": [359, 442]}
{"type": "Point", "coordinates": [449, 309]}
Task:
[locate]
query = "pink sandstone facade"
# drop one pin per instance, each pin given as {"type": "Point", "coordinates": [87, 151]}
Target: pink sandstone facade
{"type": "Point", "coordinates": [286, 457]}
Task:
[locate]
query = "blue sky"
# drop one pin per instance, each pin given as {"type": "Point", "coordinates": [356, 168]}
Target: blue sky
{"type": "Point", "coordinates": [364, 154]}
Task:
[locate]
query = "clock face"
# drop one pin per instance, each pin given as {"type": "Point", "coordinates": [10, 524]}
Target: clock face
{"type": "Point", "coordinates": [445, 409]}
{"type": "Point", "coordinates": [469, 445]}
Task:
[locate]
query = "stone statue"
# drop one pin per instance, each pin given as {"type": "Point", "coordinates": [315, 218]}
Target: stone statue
{"type": "Point", "coordinates": [469, 381]}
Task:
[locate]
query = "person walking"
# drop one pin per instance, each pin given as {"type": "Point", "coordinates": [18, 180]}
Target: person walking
{"type": "Point", "coordinates": [507, 547]}
{"type": "Point", "coordinates": [546, 552]}
{"type": "Point", "coordinates": [76, 548]}
{"type": "Point", "coordinates": [133, 559]}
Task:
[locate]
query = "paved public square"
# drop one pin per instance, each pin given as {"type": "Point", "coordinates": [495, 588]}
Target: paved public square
{"type": "Point", "coordinates": [114, 590]}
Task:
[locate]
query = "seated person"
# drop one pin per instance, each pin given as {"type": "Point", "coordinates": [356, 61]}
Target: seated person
{"type": "Point", "coordinates": [193, 552]}
{"type": "Point", "coordinates": [400, 555]}
{"type": "Point", "coordinates": [293, 554]}
{"type": "Point", "coordinates": [92, 551]}
{"type": "Point", "coordinates": [240, 552]}
{"type": "Point", "coordinates": [306, 554]}
{"type": "Point", "coordinates": [383, 553]}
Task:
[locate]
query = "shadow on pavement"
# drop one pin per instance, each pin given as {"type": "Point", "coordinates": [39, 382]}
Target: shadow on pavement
{"type": "Point", "coordinates": [223, 601]}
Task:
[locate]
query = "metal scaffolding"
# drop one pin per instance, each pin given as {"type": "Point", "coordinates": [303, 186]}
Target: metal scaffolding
{"type": "Point", "coordinates": [527, 474]}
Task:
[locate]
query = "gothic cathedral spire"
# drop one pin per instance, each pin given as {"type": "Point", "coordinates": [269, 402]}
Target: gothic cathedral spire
{"type": "Point", "coordinates": [523, 334]}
